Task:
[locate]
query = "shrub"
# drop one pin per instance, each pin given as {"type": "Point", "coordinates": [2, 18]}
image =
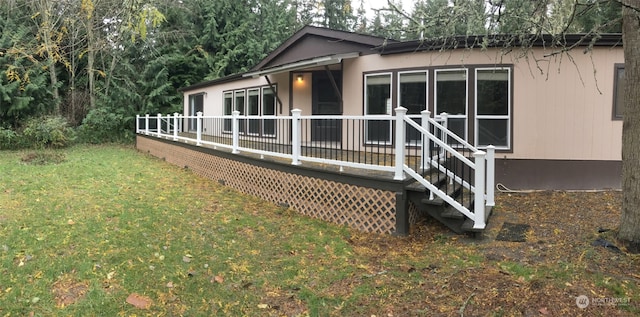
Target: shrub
{"type": "Point", "coordinates": [9, 139]}
{"type": "Point", "coordinates": [102, 125]}
{"type": "Point", "coordinates": [48, 132]}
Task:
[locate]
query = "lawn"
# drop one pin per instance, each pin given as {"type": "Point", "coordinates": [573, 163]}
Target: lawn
{"type": "Point", "coordinates": [113, 232]}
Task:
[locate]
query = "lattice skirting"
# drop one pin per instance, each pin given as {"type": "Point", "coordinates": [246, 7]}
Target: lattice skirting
{"type": "Point", "coordinates": [363, 208]}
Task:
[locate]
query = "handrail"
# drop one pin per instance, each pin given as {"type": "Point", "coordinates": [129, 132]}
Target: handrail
{"type": "Point", "coordinates": [238, 139]}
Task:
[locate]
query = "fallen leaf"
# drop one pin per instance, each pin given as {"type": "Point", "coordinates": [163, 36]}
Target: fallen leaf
{"type": "Point", "coordinates": [186, 259]}
{"type": "Point", "coordinates": [139, 301]}
{"type": "Point", "coordinates": [218, 279]}
{"type": "Point", "coordinates": [71, 222]}
{"type": "Point", "coordinates": [170, 284]}
{"type": "Point", "coordinates": [544, 311]}
{"type": "Point", "coordinates": [263, 306]}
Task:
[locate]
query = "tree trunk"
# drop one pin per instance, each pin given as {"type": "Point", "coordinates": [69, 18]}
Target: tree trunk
{"type": "Point", "coordinates": [91, 54]}
{"type": "Point", "coordinates": [629, 232]}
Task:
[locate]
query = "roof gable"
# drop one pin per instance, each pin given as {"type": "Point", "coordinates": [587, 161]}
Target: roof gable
{"type": "Point", "coordinates": [311, 42]}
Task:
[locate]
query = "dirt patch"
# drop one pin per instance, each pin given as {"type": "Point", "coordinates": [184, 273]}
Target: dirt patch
{"type": "Point", "coordinates": [68, 290]}
{"type": "Point", "coordinates": [43, 158]}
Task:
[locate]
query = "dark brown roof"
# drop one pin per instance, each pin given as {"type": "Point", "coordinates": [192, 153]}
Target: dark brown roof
{"type": "Point", "coordinates": [502, 40]}
{"type": "Point", "coordinates": [312, 41]}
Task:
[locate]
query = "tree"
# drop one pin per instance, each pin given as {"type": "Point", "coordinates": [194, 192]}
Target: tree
{"type": "Point", "coordinates": [527, 20]}
{"type": "Point", "coordinates": [629, 231]}
{"type": "Point", "coordinates": [338, 14]}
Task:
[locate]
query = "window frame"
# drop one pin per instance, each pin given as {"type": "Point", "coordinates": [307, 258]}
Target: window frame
{"type": "Point", "coordinates": [616, 110]}
{"type": "Point", "coordinates": [508, 116]}
{"type": "Point", "coordinates": [367, 140]}
{"type": "Point", "coordinates": [248, 108]}
{"type": "Point", "coordinates": [426, 96]}
{"type": "Point", "coordinates": [262, 109]}
{"type": "Point", "coordinates": [227, 112]}
{"type": "Point", "coordinates": [233, 94]}
{"type": "Point", "coordinates": [437, 115]}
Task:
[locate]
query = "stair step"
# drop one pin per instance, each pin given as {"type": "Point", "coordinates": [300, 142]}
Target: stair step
{"type": "Point", "coordinates": [452, 213]}
{"type": "Point", "coordinates": [467, 226]}
{"type": "Point", "coordinates": [437, 201]}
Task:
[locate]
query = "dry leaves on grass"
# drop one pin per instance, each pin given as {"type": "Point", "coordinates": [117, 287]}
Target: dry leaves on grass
{"type": "Point", "coordinates": [68, 290]}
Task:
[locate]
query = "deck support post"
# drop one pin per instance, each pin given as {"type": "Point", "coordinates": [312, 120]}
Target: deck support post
{"type": "Point", "coordinates": [137, 123]}
{"type": "Point", "coordinates": [425, 153]}
{"type": "Point", "coordinates": [146, 124]}
{"type": "Point", "coordinates": [479, 180]}
{"type": "Point", "coordinates": [199, 128]}
{"type": "Point", "coordinates": [235, 128]}
{"type": "Point", "coordinates": [402, 214]}
{"type": "Point", "coordinates": [296, 124]}
{"type": "Point", "coordinates": [491, 175]}
{"type": "Point", "coordinates": [175, 126]}
{"type": "Point", "coordinates": [401, 112]}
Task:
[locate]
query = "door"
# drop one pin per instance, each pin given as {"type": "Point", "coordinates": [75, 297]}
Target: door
{"type": "Point", "coordinates": [326, 101]}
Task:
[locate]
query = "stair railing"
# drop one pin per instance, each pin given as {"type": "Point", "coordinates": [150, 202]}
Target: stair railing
{"type": "Point", "coordinates": [439, 137]}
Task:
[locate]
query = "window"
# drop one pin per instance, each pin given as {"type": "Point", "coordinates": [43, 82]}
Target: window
{"type": "Point", "coordinates": [451, 97]}
{"type": "Point", "coordinates": [377, 98]}
{"type": "Point", "coordinates": [196, 103]}
{"type": "Point", "coordinates": [253, 109]}
{"type": "Point", "coordinates": [492, 99]}
{"type": "Point", "coordinates": [618, 91]}
{"type": "Point", "coordinates": [268, 110]}
{"type": "Point", "coordinates": [412, 95]}
{"type": "Point", "coordinates": [228, 109]}
{"type": "Point", "coordinates": [252, 102]}
{"type": "Point", "coordinates": [240, 106]}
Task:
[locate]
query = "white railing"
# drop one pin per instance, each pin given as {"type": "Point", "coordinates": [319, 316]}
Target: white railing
{"type": "Point", "coordinates": [291, 135]}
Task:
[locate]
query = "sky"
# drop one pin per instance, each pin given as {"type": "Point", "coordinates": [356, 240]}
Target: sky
{"type": "Point", "coordinates": [370, 5]}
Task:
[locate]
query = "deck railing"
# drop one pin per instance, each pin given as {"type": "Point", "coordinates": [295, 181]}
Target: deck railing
{"type": "Point", "coordinates": [425, 148]}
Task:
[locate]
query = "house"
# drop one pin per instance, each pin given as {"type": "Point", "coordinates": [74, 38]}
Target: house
{"type": "Point", "coordinates": [553, 118]}
{"type": "Point", "coordinates": [535, 118]}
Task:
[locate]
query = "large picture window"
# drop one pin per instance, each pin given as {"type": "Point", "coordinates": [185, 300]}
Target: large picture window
{"type": "Point", "coordinates": [412, 95]}
{"type": "Point", "coordinates": [268, 110]}
{"type": "Point", "coordinates": [377, 98]}
{"type": "Point", "coordinates": [228, 109]}
{"type": "Point", "coordinates": [253, 109]}
{"type": "Point", "coordinates": [240, 106]}
{"type": "Point", "coordinates": [451, 97]}
{"type": "Point", "coordinates": [492, 99]}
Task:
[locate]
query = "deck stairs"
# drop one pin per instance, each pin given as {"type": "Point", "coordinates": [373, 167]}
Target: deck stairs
{"type": "Point", "coordinates": [429, 204]}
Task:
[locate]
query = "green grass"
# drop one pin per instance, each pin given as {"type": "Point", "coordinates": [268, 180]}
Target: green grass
{"type": "Point", "coordinates": [108, 221]}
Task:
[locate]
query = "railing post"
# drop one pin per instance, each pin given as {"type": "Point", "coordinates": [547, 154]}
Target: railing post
{"type": "Point", "coordinates": [479, 181]}
{"type": "Point", "coordinates": [445, 124]}
{"type": "Point", "coordinates": [491, 175]}
{"type": "Point", "coordinates": [426, 151]}
{"type": "Point", "coordinates": [199, 128]}
{"type": "Point", "coordinates": [137, 123]}
{"type": "Point", "coordinates": [296, 127]}
{"type": "Point", "coordinates": [400, 143]}
{"type": "Point", "coordinates": [146, 124]}
{"type": "Point", "coordinates": [235, 131]}
{"type": "Point", "coordinates": [159, 124]}
{"type": "Point", "coordinates": [175, 126]}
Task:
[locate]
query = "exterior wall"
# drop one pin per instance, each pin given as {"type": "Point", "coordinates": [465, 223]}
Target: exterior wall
{"type": "Point", "coordinates": [213, 95]}
{"type": "Point", "coordinates": [365, 204]}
